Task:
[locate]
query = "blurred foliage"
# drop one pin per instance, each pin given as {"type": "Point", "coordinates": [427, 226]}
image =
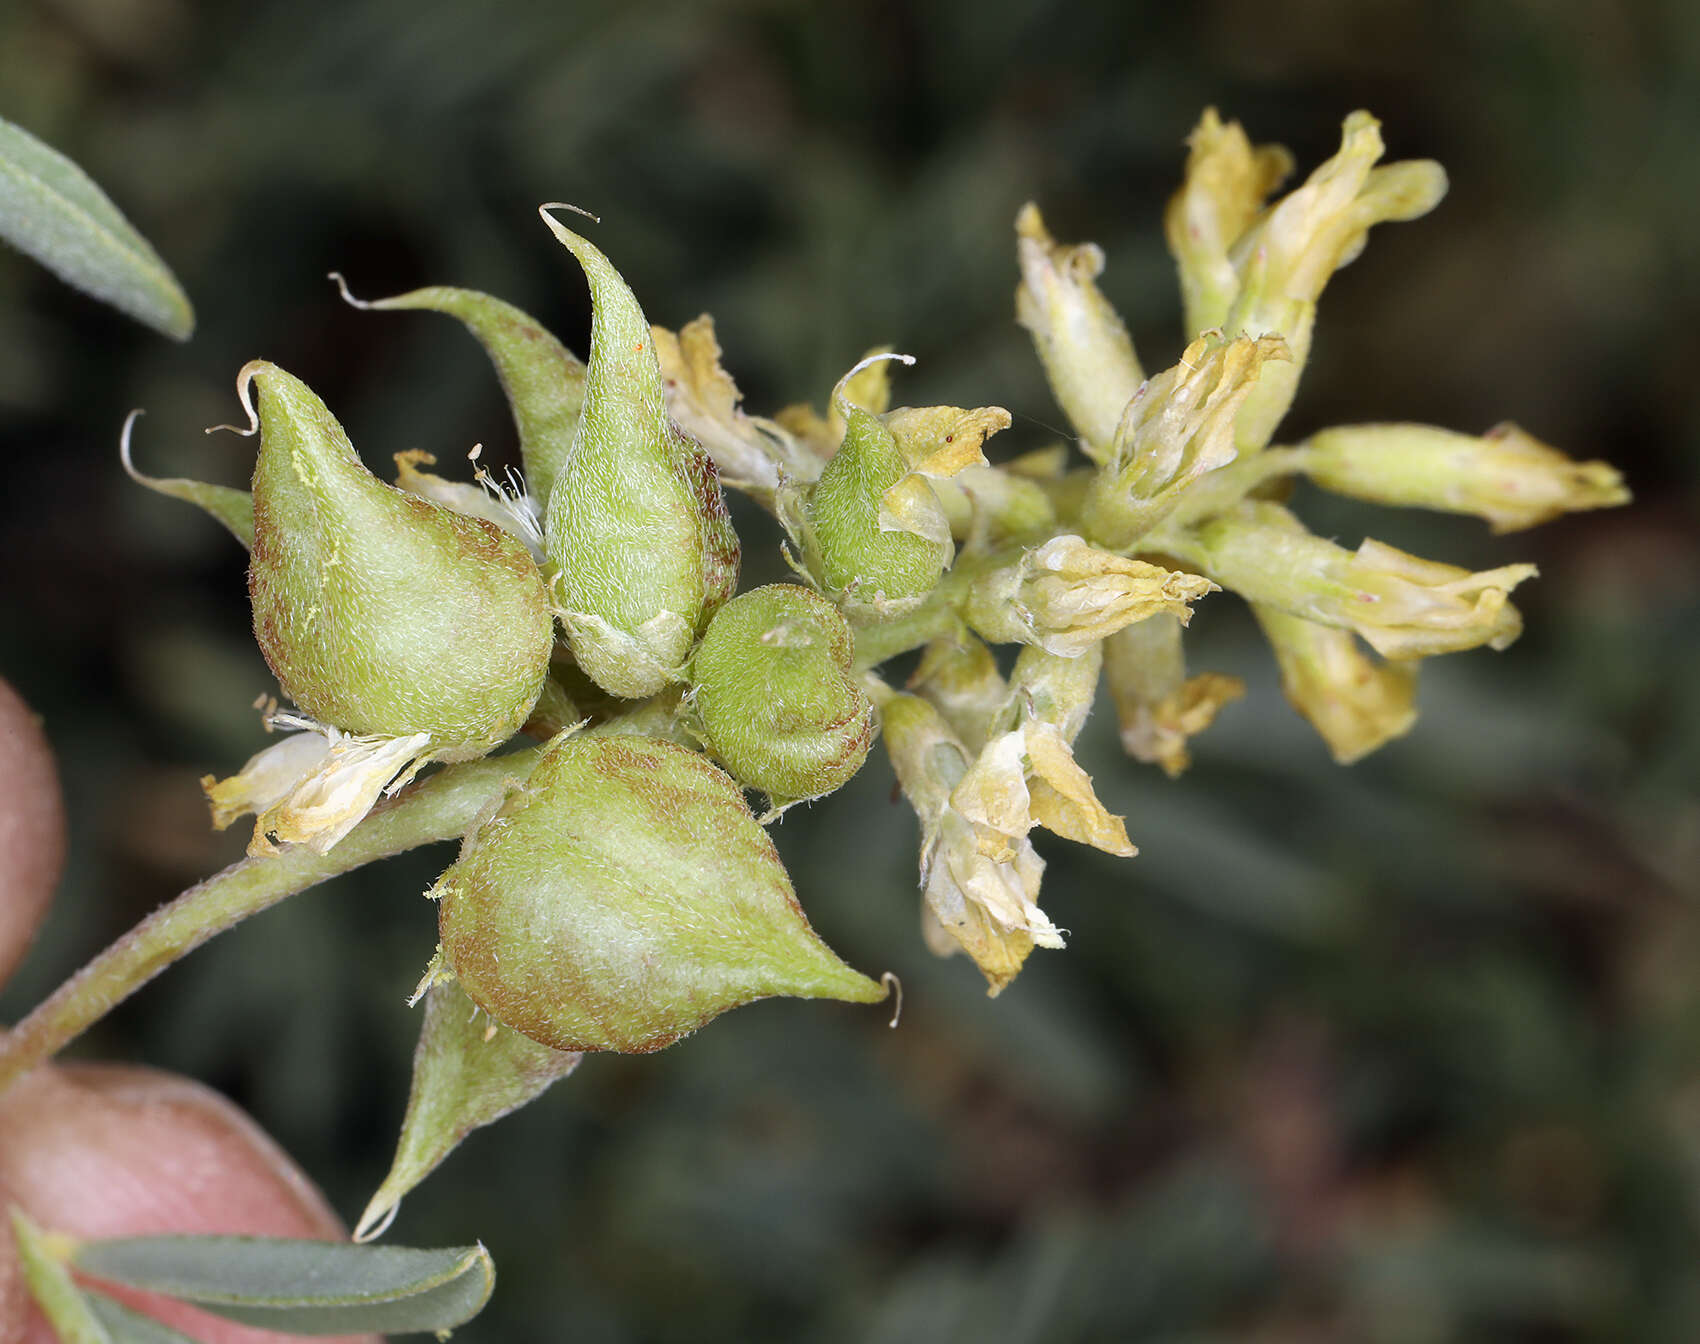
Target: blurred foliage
{"type": "Point", "coordinates": [1408, 1052]}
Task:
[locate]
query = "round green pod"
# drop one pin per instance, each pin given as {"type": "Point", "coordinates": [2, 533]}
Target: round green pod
{"type": "Point", "coordinates": [380, 612]}
{"type": "Point", "coordinates": [853, 554]}
{"type": "Point", "coordinates": [774, 693]}
{"type": "Point", "coordinates": [624, 896]}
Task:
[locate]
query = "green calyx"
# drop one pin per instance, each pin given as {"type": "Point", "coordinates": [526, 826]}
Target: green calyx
{"type": "Point", "coordinates": [636, 526]}
{"type": "Point", "coordinates": [382, 613]}
{"type": "Point", "coordinates": [622, 898]}
{"type": "Point", "coordinates": [772, 688]}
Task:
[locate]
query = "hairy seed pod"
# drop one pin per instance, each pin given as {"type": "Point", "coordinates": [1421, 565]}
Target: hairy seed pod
{"type": "Point", "coordinates": [773, 689]}
{"type": "Point", "coordinates": [622, 898]}
{"type": "Point", "coordinates": [381, 613]}
{"type": "Point", "coordinates": [854, 550]}
{"type": "Point", "coordinates": [636, 526]}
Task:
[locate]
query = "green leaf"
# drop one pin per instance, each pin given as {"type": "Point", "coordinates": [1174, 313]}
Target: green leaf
{"type": "Point", "coordinates": [124, 1325]}
{"type": "Point", "coordinates": [41, 1254]}
{"type": "Point", "coordinates": [468, 1071]}
{"type": "Point", "coordinates": [52, 211]}
{"type": "Point", "coordinates": [304, 1287]}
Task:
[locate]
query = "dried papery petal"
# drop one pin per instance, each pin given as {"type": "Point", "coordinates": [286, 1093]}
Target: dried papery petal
{"type": "Point", "coordinates": [979, 878]}
{"type": "Point", "coordinates": [750, 452]}
{"type": "Point", "coordinates": [1159, 707]}
{"type": "Point", "coordinates": [316, 785]}
{"type": "Point", "coordinates": [636, 525]}
{"type": "Point", "coordinates": [1066, 595]}
{"type": "Point", "coordinates": [1355, 702]}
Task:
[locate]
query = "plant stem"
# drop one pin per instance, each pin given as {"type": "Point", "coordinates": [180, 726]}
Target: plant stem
{"type": "Point", "coordinates": [442, 807]}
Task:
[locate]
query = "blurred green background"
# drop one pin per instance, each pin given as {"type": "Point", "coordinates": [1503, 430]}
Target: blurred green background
{"type": "Point", "coordinates": [1408, 1052]}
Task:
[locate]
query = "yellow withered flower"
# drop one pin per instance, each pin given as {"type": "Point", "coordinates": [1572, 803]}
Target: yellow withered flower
{"type": "Point", "coordinates": [1067, 595]}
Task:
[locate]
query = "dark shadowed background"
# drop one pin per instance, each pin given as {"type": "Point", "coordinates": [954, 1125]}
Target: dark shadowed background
{"type": "Point", "coordinates": [1403, 1053]}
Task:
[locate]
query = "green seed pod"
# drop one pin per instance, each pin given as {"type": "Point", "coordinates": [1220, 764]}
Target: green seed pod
{"type": "Point", "coordinates": [881, 559]}
{"type": "Point", "coordinates": [636, 525]}
{"type": "Point", "coordinates": [381, 613]}
{"type": "Point", "coordinates": [623, 897]}
{"type": "Point", "coordinates": [543, 380]}
{"type": "Point", "coordinates": [773, 689]}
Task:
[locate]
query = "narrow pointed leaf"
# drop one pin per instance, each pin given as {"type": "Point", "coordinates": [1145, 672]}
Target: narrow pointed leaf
{"type": "Point", "coordinates": [304, 1287]}
{"type": "Point", "coordinates": [126, 1326]}
{"type": "Point", "coordinates": [468, 1071]}
{"type": "Point", "coordinates": [51, 210]}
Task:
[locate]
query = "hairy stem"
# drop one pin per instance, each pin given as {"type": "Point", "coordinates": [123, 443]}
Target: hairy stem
{"type": "Point", "coordinates": [440, 808]}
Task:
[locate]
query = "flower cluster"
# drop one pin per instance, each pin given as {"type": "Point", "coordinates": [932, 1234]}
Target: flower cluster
{"type": "Point", "coordinates": [621, 892]}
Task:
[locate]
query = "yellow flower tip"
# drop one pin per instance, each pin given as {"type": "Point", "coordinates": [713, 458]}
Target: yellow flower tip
{"type": "Point", "coordinates": [1356, 703]}
{"type": "Point", "coordinates": [1227, 182]}
{"type": "Point", "coordinates": [1082, 342]}
{"type": "Point", "coordinates": [1539, 483]}
{"type": "Point", "coordinates": [1413, 608]}
{"type": "Point", "coordinates": [314, 786]}
{"type": "Point", "coordinates": [1156, 732]}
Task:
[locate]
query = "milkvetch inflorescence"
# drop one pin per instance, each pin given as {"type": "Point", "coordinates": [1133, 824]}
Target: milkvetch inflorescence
{"type": "Point", "coordinates": [614, 891]}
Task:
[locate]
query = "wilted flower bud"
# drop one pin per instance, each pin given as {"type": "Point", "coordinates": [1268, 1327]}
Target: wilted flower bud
{"type": "Point", "coordinates": [1178, 427]}
{"type": "Point", "coordinates": [1027, 776]}
{"type": "Point", "coordinates": [636, 526]}
{"type": "Point", "coordinates": [1506, 476]}
{"type": "Point", "coordinates": [622, 897]}
{"type": "Point", "coordinates": [772, 687]}
{"type": "Point", "coordinates": [1065, 596]}
{"type": "Point", "coordinates": [543, 380]}
{"type": "Point", "coordinates": [1355, 702]}
{"type": "Point", "coordinates": [980, 884]}
{"type": "Point", "coordinates": [1227, 182]}
{"type": "Point", "coordinates": [408, 631]}
{"type": "Point", "coordinates": [1082, 343]}
{"type": "Point", "coordinates": [1403, 606]}
{"type": "Point", "coordinates": [1159, 707]}
{"type": "Point", "coordinates": [1286, 258]}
